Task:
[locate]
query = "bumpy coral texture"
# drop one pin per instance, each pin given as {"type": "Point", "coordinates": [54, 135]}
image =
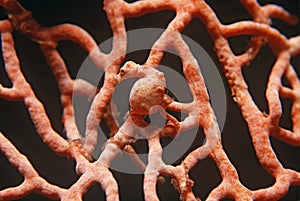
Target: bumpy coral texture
{"type": "Point", "coordinates": [150, 91]}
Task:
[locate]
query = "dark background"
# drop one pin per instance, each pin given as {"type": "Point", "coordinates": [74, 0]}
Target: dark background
{"type": "Point", "coordinates": [16, 125]}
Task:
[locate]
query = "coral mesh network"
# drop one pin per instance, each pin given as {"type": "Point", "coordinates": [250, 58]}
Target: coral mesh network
{"type": "Point", "coordinates": [149, 93]}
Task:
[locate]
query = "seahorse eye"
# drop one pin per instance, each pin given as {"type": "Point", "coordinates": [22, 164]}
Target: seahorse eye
{"type": "Point", "coordinates": [122, 72]}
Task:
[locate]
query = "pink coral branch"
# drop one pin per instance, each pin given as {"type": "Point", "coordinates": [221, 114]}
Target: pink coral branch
{"type": "Point", "coordinates": [24, 91]}
{"type": "Point", "coordinates": [32, 180]}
